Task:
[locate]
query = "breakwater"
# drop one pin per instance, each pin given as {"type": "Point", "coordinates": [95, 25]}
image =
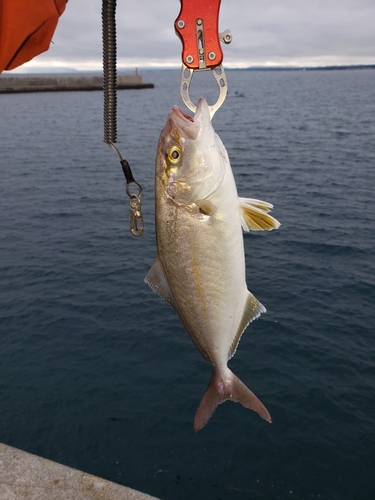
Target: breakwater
{"type": "Point", "coordinates": [58, 83]}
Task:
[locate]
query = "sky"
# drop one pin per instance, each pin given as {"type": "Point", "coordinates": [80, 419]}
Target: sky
{"type": "Point", "coordinates": [265, 33]}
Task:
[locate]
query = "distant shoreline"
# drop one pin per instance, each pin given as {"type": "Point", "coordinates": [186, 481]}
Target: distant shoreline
{"type": "Point", "coordinates": [125, 71]}
{"type": "Point", "coordinates": [305, 68]}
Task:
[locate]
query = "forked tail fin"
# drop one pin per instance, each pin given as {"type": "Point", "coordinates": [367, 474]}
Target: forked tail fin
{"type": "Point", "coordinates": [221, 388]}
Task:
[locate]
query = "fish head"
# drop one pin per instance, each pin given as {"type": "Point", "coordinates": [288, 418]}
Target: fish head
{"type": "Point", "coordinates": [191, 159]}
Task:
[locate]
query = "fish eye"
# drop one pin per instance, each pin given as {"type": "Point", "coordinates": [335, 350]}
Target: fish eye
{"type": "Point", "coordinates": [174, 155]}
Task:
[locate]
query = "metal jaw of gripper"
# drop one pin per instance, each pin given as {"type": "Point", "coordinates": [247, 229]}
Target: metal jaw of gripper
{"type": "Point", "coordinates": [186, 77]}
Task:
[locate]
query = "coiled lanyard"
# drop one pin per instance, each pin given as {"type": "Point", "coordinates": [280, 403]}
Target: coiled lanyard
{"type": "Point", "coordinates": [110, 111]}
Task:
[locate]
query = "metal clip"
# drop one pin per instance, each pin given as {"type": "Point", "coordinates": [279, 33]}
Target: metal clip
{"type": "Point", "coordinates": [136, 217]}
{"type": "Point", "coordinates": [134, 198]}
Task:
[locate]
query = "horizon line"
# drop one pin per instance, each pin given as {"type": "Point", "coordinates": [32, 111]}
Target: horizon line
{"type": "Point", "coordinates": [66, 69]}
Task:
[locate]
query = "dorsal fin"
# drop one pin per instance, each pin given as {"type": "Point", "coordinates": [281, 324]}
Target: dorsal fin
{"type": "Point", "coordinates": [253, 309]}
{"type": "Point", "coordinates": [254, 215]}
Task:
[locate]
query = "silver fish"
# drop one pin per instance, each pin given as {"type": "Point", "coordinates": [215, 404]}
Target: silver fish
{"type": "Point", "coordinates": [200, 266]}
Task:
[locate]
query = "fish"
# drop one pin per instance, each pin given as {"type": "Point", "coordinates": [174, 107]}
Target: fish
{"type": "Point", "coordinates": [200, 264]}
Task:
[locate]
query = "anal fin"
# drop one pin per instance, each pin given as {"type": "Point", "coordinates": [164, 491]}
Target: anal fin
{"type": "Point", "coordinates": [253, 309]}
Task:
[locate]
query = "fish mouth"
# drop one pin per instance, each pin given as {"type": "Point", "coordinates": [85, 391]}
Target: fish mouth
{"type": "Point", "coordinates": [182, 114]}
{"type": "Point", "coordinates": [183, 123]}
{"type": "Point", "coordinates": [189, 125]}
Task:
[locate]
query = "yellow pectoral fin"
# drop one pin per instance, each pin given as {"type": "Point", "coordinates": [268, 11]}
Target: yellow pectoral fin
{"type": "Point", "coordinates": [255, 217]}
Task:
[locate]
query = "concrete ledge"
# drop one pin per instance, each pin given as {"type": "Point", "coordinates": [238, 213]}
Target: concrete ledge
{"type": "Point", "coordinates": [18, 84]}
{"type": "Point", "coordinates": [27, 477]}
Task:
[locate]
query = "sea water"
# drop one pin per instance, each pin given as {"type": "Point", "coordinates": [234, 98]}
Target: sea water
{"type": "Point", "coordinates": [96, 371]}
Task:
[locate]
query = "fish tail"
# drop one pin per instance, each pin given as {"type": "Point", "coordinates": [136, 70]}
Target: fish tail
{"type": "Point", "coordinates": [221, 388]}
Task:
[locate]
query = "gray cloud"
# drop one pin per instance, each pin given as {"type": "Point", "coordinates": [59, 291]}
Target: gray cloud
{"type": "Point", "coordinates": [304, 32]}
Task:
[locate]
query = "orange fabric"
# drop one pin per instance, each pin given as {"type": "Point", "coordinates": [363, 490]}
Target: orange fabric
{"type": "Point", "coordinates": [26, 29]}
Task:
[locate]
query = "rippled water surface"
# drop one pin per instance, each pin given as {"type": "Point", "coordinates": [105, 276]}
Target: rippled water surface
{"type": "Point", "coordinates": [96, 371]}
